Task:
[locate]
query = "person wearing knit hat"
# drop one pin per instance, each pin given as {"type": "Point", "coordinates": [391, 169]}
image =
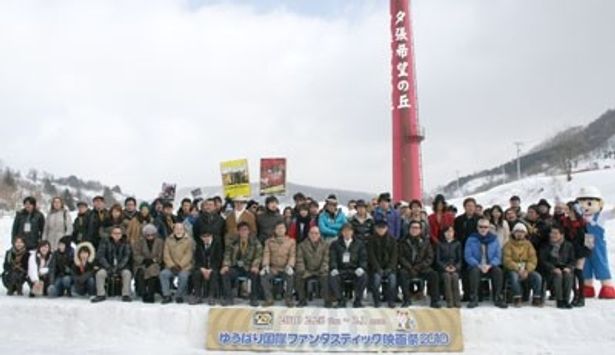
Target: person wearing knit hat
{"type": "Point", "coordinates": [520, 262]}
{"type": "Point", "coordinates": [147, 260]}
{"type": "Point", "coordinates": [348, 262]}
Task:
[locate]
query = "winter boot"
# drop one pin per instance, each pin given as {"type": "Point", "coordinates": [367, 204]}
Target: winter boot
{"type": "Point", "coordinates": [607, 293]}
{"type": "Point", "coordinates": [588, 291]}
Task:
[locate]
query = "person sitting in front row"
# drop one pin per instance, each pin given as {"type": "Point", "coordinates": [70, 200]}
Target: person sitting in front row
{"type": "Point", "coordinates": [113, 258]}
{"type": "Point", "coordinates": [313, 263]}
{"type": "Point", "coordinates": [382, 262]}
{"type": "Point", "coordinates": [520, 262]}
{"type": "Point", "coordinates": [557, 263]}
{"type": "Point", "coordinates": [347, 263]}
{"type": "Point", "coordinates": [483, 255]}
{"type": "Point", "coordinates": [206, 273]}
{"type": "Point", "coordinates": [38, 269]}
{"type": "Point", "coordinates": [415, 259]}
{"type": "Point", "coordinates": [279, 257]}
{"type": "Point", "coordinates": [15, 267]}
{"type": "Point", "coordinates": [178, 260]}
{"type": "Point", "coordinates": [83, 269]}
{"type": "Point", "coordinates": [242, 258]}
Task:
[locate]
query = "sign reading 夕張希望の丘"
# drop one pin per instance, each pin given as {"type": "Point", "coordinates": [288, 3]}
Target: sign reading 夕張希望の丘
{"type": "Point", "coordinates": [321, 329]}
{"type": "Point", "coordinates": [235, 178]}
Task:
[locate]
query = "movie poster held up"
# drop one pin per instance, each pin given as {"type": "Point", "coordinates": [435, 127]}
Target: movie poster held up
{"type": "Point", "coordinates": [235, 178]}
{"type": "Point", "coordinates": [168, 191]}
{"type": "Point", "coordinates": [273, 176]}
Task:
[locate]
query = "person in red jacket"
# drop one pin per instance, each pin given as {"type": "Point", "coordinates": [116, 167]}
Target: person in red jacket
{"type": "Point", "coordinates": [301, 224]}
{"type": "Point", "coordinates": [439, 218]}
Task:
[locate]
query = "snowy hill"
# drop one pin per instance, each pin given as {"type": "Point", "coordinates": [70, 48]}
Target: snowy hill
{"type": "Point", "coordinates": [553, 188]}
{"type": "Point", "coordinates": [15, 186]}
{"type": "Point", "coordinates": [574, 149]}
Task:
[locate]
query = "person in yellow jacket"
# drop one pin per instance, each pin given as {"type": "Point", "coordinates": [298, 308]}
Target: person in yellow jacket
{"type": "Point", "coordinates": [520, 263]}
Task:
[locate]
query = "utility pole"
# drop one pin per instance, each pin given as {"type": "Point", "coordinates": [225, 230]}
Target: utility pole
{"type": "Point", "coordinates": [518, 145]}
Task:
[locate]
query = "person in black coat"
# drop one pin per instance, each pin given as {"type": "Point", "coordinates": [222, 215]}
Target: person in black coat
{"type": "Point", "coordinates": [449, 258]}
{"type": "Point", "coordinates": [382, 261]}
{"type": "Point", "coordinates": [114, 259]}
{"type": "Point", "coordinates": [29, 223]}
{"type": "Point", "coordinates": [348, 263]}
{"type": "Point", "coordinates": [83, 269]}
{"type": "Point", "coordinates": [466, 225]}
{"type": "Point", "coordinates": [209, 221]}
{"type": "Point", "coordinates": [538, 230]}
{"type": "Point", "coordinates": [60, 268]}
{"type": "Point", "coordinates": [81, 224]}
{"type": "Point", "coordinates": [415, 259]}
{"type": "Point", "coordinates": [97, 219]}
{"type": "Point", "coordinates": [557, 262]}
{"type": "Point", "coordinates": [166, 220]}
{"type": "Point", "coordinates": [15, 268]}
{"type": "Point", "coordinates": [208, 256]}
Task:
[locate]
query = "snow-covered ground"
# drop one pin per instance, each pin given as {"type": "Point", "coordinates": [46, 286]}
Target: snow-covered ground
{"type": "Point", "coordinates": [75, 326]}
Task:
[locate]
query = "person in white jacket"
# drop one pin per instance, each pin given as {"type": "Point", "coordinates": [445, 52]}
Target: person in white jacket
{"type": "Point", "coordinates": [38, 269]}
{"type": "Point", "coordinates": [58, 224]}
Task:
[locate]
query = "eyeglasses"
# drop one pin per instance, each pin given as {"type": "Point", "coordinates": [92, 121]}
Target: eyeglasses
{"type": "Point", "coordinates": [483, 227]}
{"type": "Point", "coordinates": [149, 234]}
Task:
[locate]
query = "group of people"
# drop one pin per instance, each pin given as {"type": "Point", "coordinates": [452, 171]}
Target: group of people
{"type": "Point", "coordinates": [218, 249]}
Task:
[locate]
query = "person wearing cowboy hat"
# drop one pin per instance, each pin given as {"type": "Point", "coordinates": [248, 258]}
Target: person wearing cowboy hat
{"type": "Point", "coordinates": [331, 219]}
{"type": "Point", "coordinates": [385, 212]}
{"type": "Point", "coordinates": [239, 214]}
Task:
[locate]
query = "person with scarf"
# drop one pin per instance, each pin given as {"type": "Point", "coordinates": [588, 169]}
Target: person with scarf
{"type": "Point", "coordinates": [483, 256]}
{"type": "Point", "coordinates": [302, 223]}
{"type": "Point", "coordinates": [15, 268]}
{"type": "Point", "coordinates": [438, 219]}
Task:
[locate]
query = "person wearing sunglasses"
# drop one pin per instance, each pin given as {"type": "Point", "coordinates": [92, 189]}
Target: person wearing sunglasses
{"type": "Point", "coordinates": [483, 255]}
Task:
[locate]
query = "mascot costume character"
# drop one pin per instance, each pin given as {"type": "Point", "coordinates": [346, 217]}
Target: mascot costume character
{"type": "Point", "coordinates": [596, 265]}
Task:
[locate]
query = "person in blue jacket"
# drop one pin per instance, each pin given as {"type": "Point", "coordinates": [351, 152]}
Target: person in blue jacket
{"type": "Point", "coordinates": [331, 220]}
{"type": "Point", "coordinates": [385, 212]}
{"type": "Point", "coordinates": [483, 256]}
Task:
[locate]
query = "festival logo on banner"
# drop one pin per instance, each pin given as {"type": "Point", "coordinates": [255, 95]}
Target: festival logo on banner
{"type": "Point", "coordinates": [332, 330]}
{"type": "Point", "coordinates": [168, 191]}
{"type": "Point", "coordinates": [273, 176]}
{"type": "Point", "coordinates": [235, 178]}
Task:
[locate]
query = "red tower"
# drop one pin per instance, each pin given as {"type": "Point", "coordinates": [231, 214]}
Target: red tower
{"type": "Point", "coordinates": [407, 135]}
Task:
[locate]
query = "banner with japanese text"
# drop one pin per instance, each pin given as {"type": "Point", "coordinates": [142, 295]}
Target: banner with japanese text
{"type": "Point", "coordinates": [324, 330]}
{"type": "Point", "coordinates": [235, 178]}
{"type": "Point", "coordinates": [273, 176]}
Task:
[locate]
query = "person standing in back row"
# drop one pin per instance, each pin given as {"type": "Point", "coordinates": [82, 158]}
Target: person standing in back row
{"type": "Point", "coordinates": [331, 220]}
{"type": "Point", "coordinates": [267, 221]}
{"type": "Point", "coordinates": [29, 223]}
{"type": "Point", "coordinates": [59, 223]}
{"type": "Point", "coordinates": [385, 212]}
